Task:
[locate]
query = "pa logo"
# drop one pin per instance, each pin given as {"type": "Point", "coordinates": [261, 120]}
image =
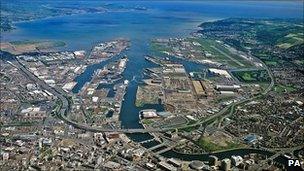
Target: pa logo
{"type": "Point", "coordinates": [294, 163]}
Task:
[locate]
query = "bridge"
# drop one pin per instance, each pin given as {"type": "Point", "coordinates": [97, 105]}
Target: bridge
{"type": "Point", "coordinates": [158, 146]}
{"type": "Point", "coordinates": [165, 150]}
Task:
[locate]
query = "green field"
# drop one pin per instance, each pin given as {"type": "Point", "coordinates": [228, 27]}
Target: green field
{"type": "Point", "coordinates": [271, 63]}
{"type": "Point", "coordinates": [210, 146]}
{"type": "Point", "coordinates": [290, 40]}
{"type": "Point", "coordinates": [284, 88]}
{"type": "Point", "coordinates": [147, 121]}
{"type": "Point", "coordinates": [252, 76]}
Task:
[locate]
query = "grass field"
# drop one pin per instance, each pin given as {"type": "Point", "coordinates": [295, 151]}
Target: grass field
{"type": "Point", "coordinates": [210, 146]}
{"type": "Point", "coordinates": [271, 63]}
{"type": "Point", "coordinates": [284, 88]}
{"type": "Point", "coordinates": [147, 121]}
{"type": "Point", "coordinates": [290, 40]}
{"type": "Point", "coordinates": [252, 76]}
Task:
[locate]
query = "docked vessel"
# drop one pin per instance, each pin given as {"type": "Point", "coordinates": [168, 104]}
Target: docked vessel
{"type": "Point", "coordinates": [148, 113]}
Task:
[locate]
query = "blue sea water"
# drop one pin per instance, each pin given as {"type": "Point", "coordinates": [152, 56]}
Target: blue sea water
{"type": "Point", "coordinates": [161, 19]}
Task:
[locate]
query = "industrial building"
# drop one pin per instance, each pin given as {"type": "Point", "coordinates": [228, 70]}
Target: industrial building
{"type": "Point", "coordinates": [199, 90]}
{"type": "Point", "coordinates": [227, 87]}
